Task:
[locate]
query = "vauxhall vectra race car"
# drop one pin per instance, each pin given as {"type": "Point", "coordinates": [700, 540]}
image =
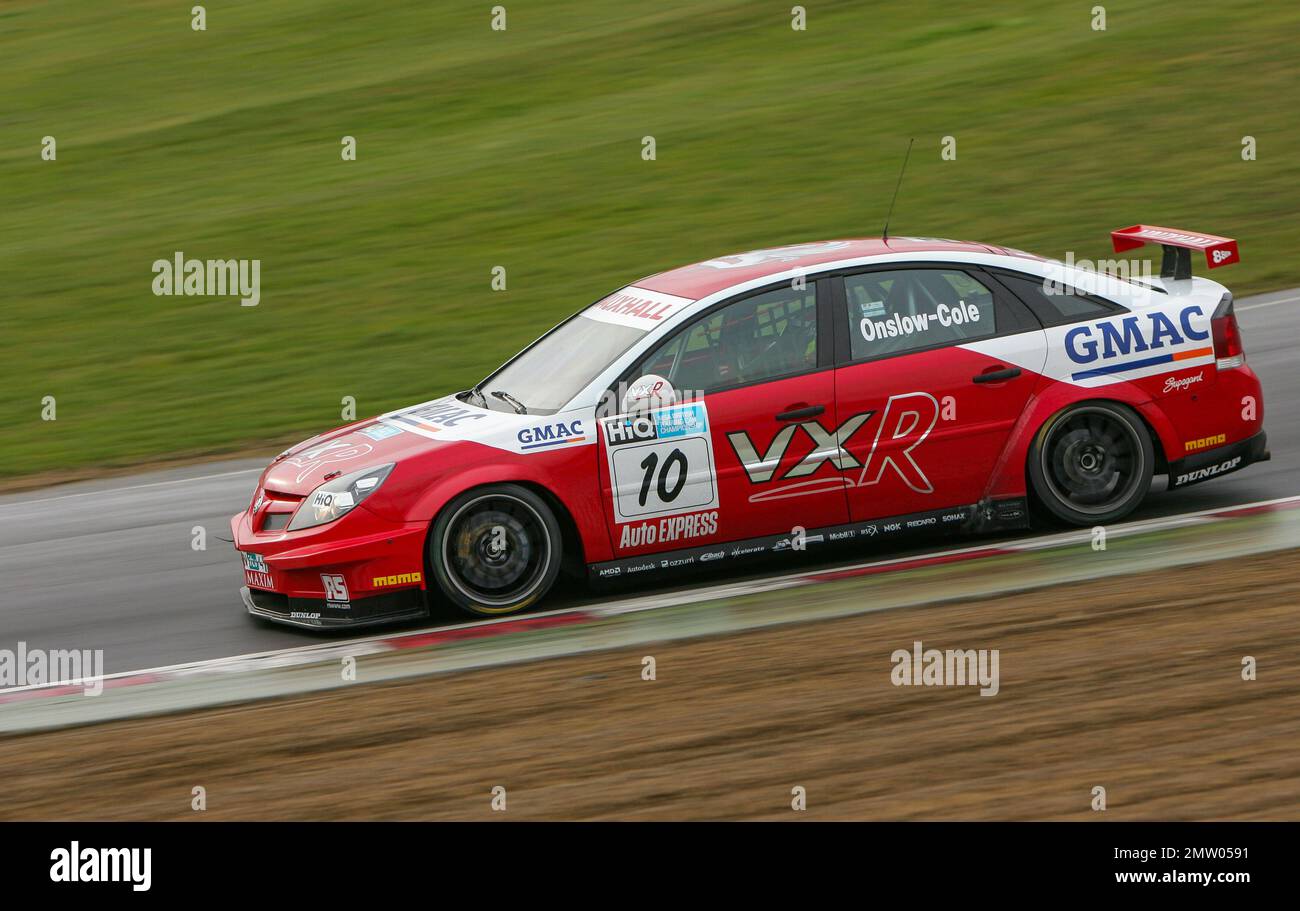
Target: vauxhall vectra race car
{"type": "Point", "coordinates": [847, 391]}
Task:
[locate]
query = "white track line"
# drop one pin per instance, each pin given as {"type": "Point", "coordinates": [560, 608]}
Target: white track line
{"type": "Point", "coordinates": [1285, 300]}
{"type": "Point", "coordinates": [108, 490]}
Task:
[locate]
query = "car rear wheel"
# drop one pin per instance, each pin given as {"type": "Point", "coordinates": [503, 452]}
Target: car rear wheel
{"type": "Point", "coordinates": [495, 550]}
{"type": "Point", "coordinates": [1092, 463]}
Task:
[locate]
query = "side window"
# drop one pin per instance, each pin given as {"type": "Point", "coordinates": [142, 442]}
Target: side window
{"type": "Point", "coordinates": [764, 337]}
{"type": "Point", "coordinates": [905, 309]}
{"type": "Point", "coordinates": [1058, 308]}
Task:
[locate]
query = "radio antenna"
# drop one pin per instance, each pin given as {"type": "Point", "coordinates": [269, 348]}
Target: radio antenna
{"type": "Point", "coordinates": [884, 235]}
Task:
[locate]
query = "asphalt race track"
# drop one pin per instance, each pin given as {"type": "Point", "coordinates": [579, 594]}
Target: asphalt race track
{"type": "Point", "coordinates": [109, 564]}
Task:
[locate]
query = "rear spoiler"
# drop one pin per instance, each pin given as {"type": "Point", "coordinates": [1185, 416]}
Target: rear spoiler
{"type": "Point", "coordinates": [1177, 244]}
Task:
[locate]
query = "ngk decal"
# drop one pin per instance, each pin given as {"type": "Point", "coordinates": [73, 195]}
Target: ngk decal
{"type": "Point", "coordinates": [907, 421]}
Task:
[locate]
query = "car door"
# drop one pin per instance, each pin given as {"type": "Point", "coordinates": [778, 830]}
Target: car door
{"type": "Point", "coordinates": [928, 370]}
{"type": "Point", "coordinates": [747, 449]}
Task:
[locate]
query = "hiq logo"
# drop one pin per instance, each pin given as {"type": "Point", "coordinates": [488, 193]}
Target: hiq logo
{"type": "Point", "coordinates": [557, 434]}
{"type": "Point", "coordinates": [1131, 335]}
{"type": "Point", "coordinates": [629, 429]}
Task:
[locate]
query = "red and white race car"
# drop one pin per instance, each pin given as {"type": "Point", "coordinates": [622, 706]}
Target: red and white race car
{"type": "Point", "coordinates": [771, 401]}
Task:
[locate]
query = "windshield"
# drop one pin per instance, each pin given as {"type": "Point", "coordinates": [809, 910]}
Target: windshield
{"type": "Point", "coordinates": [547, 375]}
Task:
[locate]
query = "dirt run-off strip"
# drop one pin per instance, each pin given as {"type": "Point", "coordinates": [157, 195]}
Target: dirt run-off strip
{"type": "Point", "coordinates": [1133, 684]}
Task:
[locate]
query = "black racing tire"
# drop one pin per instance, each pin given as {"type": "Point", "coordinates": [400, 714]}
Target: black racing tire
{"type": "Point", "coordinates": [495, 550]}
{"type": "Point", "coordinates": [1092, 463]}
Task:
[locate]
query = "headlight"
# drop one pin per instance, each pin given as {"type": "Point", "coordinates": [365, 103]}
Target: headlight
{"type": "Point", "coordinates": [335, 498]}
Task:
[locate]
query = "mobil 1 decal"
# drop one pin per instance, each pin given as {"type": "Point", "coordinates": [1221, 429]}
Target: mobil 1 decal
{"type": "Point", "coordinates": [661, 464]}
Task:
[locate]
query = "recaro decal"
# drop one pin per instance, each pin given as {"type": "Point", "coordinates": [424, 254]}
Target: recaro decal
{"type": "Point", "coordinates": [908, 418]}
{"type": "Point", "coordinates": [1109, 342]}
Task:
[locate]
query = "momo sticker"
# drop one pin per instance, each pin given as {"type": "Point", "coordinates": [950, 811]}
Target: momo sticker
{"type": "Point", "coordinates": [661, 462]}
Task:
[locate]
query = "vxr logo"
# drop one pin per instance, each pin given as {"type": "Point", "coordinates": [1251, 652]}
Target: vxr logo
{"type": "Point", "coordinates": [907, 421]}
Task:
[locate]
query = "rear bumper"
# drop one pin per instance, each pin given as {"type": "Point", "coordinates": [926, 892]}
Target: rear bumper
{"type": "Point", "coordinates": [1215, 463]}
{"type": "Point", "coordinates": [317, 613]}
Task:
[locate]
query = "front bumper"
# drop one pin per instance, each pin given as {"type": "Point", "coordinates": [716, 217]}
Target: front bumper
{"type": "Point", "coordinates": [359, 571]}
{"type": "Point", "coordinates": [1215, 463]}
{"type": "Point", "coordinates": [317, 613]}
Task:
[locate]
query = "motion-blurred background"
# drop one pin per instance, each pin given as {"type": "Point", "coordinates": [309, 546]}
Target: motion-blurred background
{"type": "Point", "coordinates": [522, 148]}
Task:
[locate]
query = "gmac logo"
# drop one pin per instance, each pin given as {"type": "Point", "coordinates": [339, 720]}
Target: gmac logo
{"type": "Point", "coordinates": [557, 434]}
{"type": "Point", "coordinates": [907, 421]}
{"type": "Point", "coordinates": [1131, 335]}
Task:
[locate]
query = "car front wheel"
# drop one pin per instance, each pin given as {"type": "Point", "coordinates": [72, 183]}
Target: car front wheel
{"type": "Point", "coordinates": [495, 550]}
{"type": "Point", "coordinates": [1092, 463]}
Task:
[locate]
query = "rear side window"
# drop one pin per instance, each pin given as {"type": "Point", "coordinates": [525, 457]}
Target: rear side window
{"type": "Point", "coordinates": [902, 310]}
{"type": "Point", "coordinates": [1058, 307]}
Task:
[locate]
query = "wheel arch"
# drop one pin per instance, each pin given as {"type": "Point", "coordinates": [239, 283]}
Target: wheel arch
{"type": "Point", "coordinates": [571, 540]}
{"type": "Point", "coordinates": [1012, 477]}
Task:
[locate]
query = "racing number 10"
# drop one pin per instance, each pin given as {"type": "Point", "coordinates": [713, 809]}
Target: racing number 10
{"type": "Point", "coordinates": [675, 458]}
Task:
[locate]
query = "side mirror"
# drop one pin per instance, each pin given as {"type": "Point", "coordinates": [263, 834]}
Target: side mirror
{"type": "Point", "coordinates": [651, 391]}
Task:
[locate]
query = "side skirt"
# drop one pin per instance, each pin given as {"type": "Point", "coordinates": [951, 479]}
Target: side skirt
{"type": "Point", "coordinates": [990, 516]}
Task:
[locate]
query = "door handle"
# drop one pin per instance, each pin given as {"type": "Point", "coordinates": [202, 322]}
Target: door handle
{"type": "Point", "coordinates": [997, 376]}
{"type": "Point", "coordinates": [800, 412]}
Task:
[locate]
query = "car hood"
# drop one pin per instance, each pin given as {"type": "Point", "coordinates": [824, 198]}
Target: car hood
{"type": "Point", "coordinates": [416, 431]}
